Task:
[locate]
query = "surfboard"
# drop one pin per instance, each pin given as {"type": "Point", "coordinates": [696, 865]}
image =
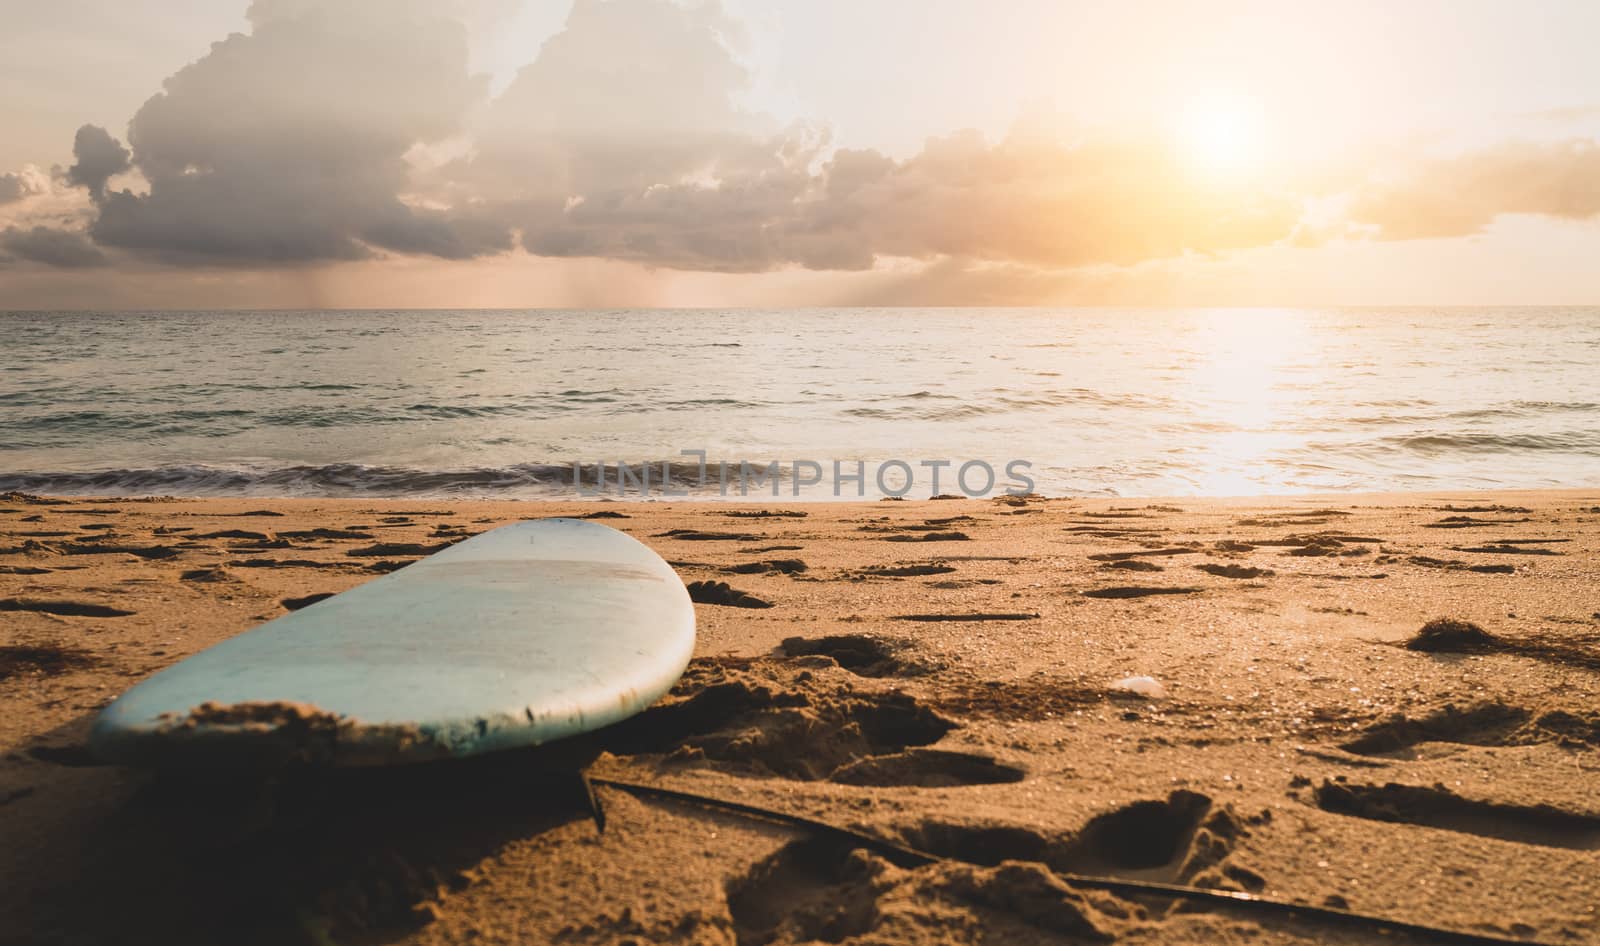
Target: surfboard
{"type": "Point", "coordinates": [523, 635]}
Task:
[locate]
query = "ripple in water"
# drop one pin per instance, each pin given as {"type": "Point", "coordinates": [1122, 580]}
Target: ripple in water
{"type": "Point", "coordinates": [1151, 402]}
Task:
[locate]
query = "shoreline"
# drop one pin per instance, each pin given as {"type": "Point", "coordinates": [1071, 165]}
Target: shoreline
{"type": "Point", "coordinates": [1367, 497]}
{"type": "Point", "coordinates": [927, 688]}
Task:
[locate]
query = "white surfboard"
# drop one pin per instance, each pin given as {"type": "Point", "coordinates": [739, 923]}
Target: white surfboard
{"type": "Point", "coordinates": [528, 633]}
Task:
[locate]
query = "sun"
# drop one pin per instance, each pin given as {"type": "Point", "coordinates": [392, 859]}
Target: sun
{"type": "Point", "coordinates": [1222, 135]}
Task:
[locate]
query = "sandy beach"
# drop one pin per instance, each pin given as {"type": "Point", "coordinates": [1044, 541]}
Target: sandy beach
{"type": "Point", "coordinates": [940, 674]}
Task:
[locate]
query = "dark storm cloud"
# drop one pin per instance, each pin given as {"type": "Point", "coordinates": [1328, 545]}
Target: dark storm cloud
{"type": "Point", "coordinates": [99, 158]}
{"type": "Point", "coordinates": [624, 139]}
{"type": "Point", "coordinates": [288, 145]}
{"type": "Point", "coordinates": [51, 246]}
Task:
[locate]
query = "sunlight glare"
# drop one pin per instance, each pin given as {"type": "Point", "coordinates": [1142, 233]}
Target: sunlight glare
{"type": "Point", "coordinates": [1249, 365]}
{"type": "Point", "coordinates": [1222, 135]}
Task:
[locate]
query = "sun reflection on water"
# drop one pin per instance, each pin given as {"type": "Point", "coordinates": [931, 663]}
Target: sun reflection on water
{"type": "Point", "coordinates": [1247, 369]}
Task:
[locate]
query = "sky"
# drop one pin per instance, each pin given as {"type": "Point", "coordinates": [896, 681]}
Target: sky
{"type": "Point", "coordinates": [518, 153]}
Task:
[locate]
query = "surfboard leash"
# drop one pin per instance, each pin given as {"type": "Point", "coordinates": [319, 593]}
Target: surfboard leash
{"type": "Point", "coordinates": [907, 857]}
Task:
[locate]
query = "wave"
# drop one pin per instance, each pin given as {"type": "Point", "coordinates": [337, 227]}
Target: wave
{"type": "Point", "coordinates": [1006, 401]}
{"type": "Point", "coordinates": [1580, 441]}
{"type": "Point", "coordinates": [1438, 443]}
{"type": "Point", "coordinates": [522, 480]}
{"type": "Point", "coordinates": [910, 413]}
{"type": "Point", "coordinates": [68, 425]}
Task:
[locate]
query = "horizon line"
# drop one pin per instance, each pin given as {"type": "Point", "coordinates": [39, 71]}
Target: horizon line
{"type": "Point", "coordinates": [803, 308]}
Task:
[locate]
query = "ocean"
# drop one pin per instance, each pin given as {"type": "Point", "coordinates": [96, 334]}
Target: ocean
{"type": "Point", "coordinates": [539, 404]}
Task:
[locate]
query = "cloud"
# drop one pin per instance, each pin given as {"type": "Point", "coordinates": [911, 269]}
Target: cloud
{"type": "Point", "coordinates": [625, 139]}
{"type": "Point", "coordinates": [52, 246]}
{"type": "Point", "coordinates": [99, 158]}
{"type": "Point", "coordinates": [1033, 200]}
{"type": "Point", "coordinates": [342, 130]}
{"type": "Point", "coordinates": [1463, 195]}
{"type": "Point", "coordinates": [1570, 113]}
{"type": "Point", "coordinates": [1024, 200]}
{"type": "Point", "coordinates": [20, 185]}
{"type": "Point", "coordinates": [287, 145]}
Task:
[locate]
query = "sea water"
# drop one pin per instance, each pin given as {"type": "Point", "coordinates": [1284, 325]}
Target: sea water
{"type": "Point", "coordinates": [539, 403]}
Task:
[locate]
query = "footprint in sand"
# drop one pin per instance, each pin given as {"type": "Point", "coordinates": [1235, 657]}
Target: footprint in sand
{"type": "Point", "coordinates": [906, 571]}
{"type": "Point", "coordinates": [206, 574]}
{"type": "Point", "coordinates": [1441, 808]}
{"type": "Point", "coordinates": [1452, 636]}
{"type": "Point", "coordinates": [1182, 838]}
{"type": "Point", "coordinates": [151, 552]}
{"type": "Point", "coordinates": [1504, 549]}
{"type": "Point", "coordinates": [1469, 522]}
{"type": "Point", "coordinates": [930, 537]}
{"type": "Point", "coordinates": [927, 768]}
{"type": "Point", "coordinates": [1501, 509]}
{"type": "Point", "coordinates": [1101, 532]}
{"type": "Point", "coordinates": [826, 890]}
{"type": "Point", "coordinates": [387, 549]}
{"type": "Point", "coordinates": [860, 654]}
{"type": "Point", "coordinates": [1426, 561]}
{"type": "Point", "coordinates": [77, 609]}
{"type": "Point", "coordinates": [719, 592]}
{"type": "Point", "coordinates": [1323, 543]}
{"type": "Point", "coordinates": [795, 731]}
{"type": "Point", "coordinates": [813, 734]}
{"type": "Point", "coordinates": [1140, 553]}
{"type": "Point", "coordinates": [785, 566]}
{"type": "Point", "coordinates": [697, 535]}
{"type": "Point", "coordinates": [1235, 571]}
{"type": "Point", "coordinates": [44, 659]}
{"type": "Point", "coordinates": [1138, 591]}
{"type": "Point", "coordinates": [334, 534]}
{"type": "Point", "coordinates": [284, 563]}
{"type": "Point", "coordinates": [1132, 565]}
{"type": "Point", "coordinates": [1482, 724]}
{"type": "Point", "coordinates": [1174, 838]}
{"type": "Point", "coordinates": [970, 616]}
{"type": "Point", "coordinates": [235, 534]}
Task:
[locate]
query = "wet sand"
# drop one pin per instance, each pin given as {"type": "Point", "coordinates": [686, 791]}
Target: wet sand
{"type": "Point", "coordinates": [936, 673]}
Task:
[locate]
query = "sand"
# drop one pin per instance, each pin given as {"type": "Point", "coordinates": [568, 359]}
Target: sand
{"type": "Point", "coordinates": [937, 673]}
